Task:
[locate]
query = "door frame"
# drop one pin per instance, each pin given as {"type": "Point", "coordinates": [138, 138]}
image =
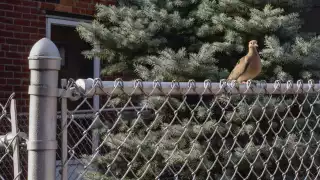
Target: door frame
{"type": "Point", "coordinates": [74, 22]}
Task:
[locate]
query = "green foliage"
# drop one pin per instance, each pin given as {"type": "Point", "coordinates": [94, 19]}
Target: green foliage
{"type": "Point", "coordinates": [171, 135]}
{"type": "Point", "coordinates": [199, 39]}
{"type": "Point", "coordinates": [203, 137]}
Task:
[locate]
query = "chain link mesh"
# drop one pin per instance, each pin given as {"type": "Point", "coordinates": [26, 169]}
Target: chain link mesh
{"type": "Point", "coordinates": [6, 148]}
{"type": "Point", "coordinates": [23, 125]}
{"type": "Point", "coordinates": [5, 154]}
{"type": "Point", "coordinates": [259, 135]}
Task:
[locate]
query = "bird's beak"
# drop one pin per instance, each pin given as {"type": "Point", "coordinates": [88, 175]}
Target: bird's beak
{"type": "Point", "coordinates": [256, 45]}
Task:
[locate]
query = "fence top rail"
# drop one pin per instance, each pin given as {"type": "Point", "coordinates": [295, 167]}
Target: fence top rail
{"type": "Point", "coordinates": [90, 87]}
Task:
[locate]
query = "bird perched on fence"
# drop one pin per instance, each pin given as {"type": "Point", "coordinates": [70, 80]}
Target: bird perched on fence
{"type": "Point", "coordinates": [249, 66]}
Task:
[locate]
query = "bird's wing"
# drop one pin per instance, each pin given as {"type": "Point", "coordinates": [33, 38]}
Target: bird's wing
{"type": "Point", "coordinates": [239, 69]}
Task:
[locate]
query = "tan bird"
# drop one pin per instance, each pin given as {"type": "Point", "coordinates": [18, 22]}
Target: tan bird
{"type": "Point", "coordinates": [249, 66]}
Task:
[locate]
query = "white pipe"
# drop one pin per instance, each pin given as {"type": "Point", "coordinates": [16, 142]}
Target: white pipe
{"type": "Point", "coordinates": [96, 103]}
{"type": "Point", "coordinates": [96, 74]}
{"type": "Point", "coordinates": [161, 88]}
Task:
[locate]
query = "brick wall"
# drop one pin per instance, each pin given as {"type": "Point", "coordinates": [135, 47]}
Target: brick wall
{"type": "Point", "coordinates": [22, 23]}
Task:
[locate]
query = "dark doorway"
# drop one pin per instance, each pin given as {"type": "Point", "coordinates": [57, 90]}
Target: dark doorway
{"type": "Point", "coordinates": [74, 64]}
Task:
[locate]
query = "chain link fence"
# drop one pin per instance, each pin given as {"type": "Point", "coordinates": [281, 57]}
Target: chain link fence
{"type": "Point", "coordinates": [171, 130]}
{"type": "Point", "coordinates": [13, 154]}
{"type": "Point", "coordinates": [23, 126]}
{"type": "Point", "coordinates": [190, 130]}
{"type": "Point", "coordinates": [5, 156]}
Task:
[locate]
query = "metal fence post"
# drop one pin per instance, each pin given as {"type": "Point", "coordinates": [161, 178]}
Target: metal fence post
{"type": "Point", "coordinates": [64, 137]}
{"type": "Point", "coordinates": [44, 64]}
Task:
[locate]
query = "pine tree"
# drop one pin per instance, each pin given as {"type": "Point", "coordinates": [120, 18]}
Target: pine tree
{"type": "Point", "coordinates": [199, 137]}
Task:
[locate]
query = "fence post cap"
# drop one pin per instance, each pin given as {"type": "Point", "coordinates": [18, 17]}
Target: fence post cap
{"type": "Point", "coordinates": [44, 49]}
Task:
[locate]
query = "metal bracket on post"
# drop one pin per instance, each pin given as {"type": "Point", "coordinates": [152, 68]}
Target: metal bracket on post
{"type": "Point", "coordinates": [85, 86]}
{"type": "Point", "coordinates": [44, 64]}
{"type": "Point", "coordinates": [71, 93]}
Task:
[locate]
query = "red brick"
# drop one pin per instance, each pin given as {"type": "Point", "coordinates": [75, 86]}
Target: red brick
{"type": "Point", "coordinates": [6, 87]}
{"type": "Point", "coordinates": [6, 74]}
{"type": "Point", "coordinates": [6, 20]}
{"type": "Point", "coordinates": [30, 16]}
{"type": "Point", "coordinates": [38, 23]}
{"type": "Point", "coordinates": [35, 36]}
{"type": "Point", "coordinates": [27, 100]}
{"type": "Point", "coordinates": [17, 95]}
{"type": "Point", "coordinates": [13, 14]}
{"type": "Point", "coordinates": [22, 22]}
{"type": "Point", "coordinates": [13, 41]}
{"type": "Point", "coordinates": [30, 3]}
{"type": "Point", "coordinates": [42, 18]}
{"type": "Point", "coordinates": [35, 11]}
{"type": "Point", "coordinates": [25, 68]}
{"type": "Point", "coordinates": [23, 62]}
{"type": "Point", "coordinates": [1, 67]}
{"type": "Point", "coordinates": [2, 81]}
{"type": "Point", "coordinates": [6, 7]}
{"type": "Point", "coordinates": [66, 2]}
{"type": "Point", "coordinates": [82, 5]}
{"type": "Point", "coordinates": [17, 2]}
{"type": "Point", "coordinates": [83, 11]}
{"type": "Point", "coordinates": [21, 49]}
{"type": "Point", "coordinates": [26, 81]}
{"type": "Point", "coordinates": [30, 29]}
{"type": "Point", "coordinates": [22, 9]}
{"type": "Point", "coordinates": [2, 25]}
{"type": "Point", "coordinates": [92, 6]}
{"type": "Point", "coordinates": [6, 61]}
{"type": "Point", "coordinates": [106, 2]}
{"type": "Point", "coordinates": [13, 68]}
{"type": "Point", "coordinates": [13, 55]}
{"type": "Point", "coordinates": [24, 109]}
{"type": "Point", "coordinates": [75, 10]}
{"type": "Point", "coordinates": [12, 27]}
{"type": "Point", "coordinates": [42, 31]}
{"type": "Point", "coordinates": [113, 3]}
{"type": "Point", "coordinates": [13, 48]}
{"type": "Point", "coordinates": [20, 88]}
{"type": "Point", "coordinates": [63, 8]}
{"type": "Point", "coordinates": [2, 40]}
{"type": "Point", "coordinates": [20, 102]}
{"type": "Point", "coordinates": [2, 53]}
{"type": "Point", "coordinates": [6, 33]}
{"type": "Point", "coordinates": [4, 95]}
{"type": "Point", "coordinates": [47, 6]}
{"type": "Point", "coordinates": [20, 75]}
{"type": "Point", "coordinates": [14, 81]}
{"type": "Point", "coordinates": [21, 35]}
{"type": "Point", "coordinates": [89, 12]}
{"type": "Point", "coordinates": [28, 42]}
{"type": "Point", "coordinates": [28, 48]}
{"type": "Point", "coordinates": [25, 55]}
